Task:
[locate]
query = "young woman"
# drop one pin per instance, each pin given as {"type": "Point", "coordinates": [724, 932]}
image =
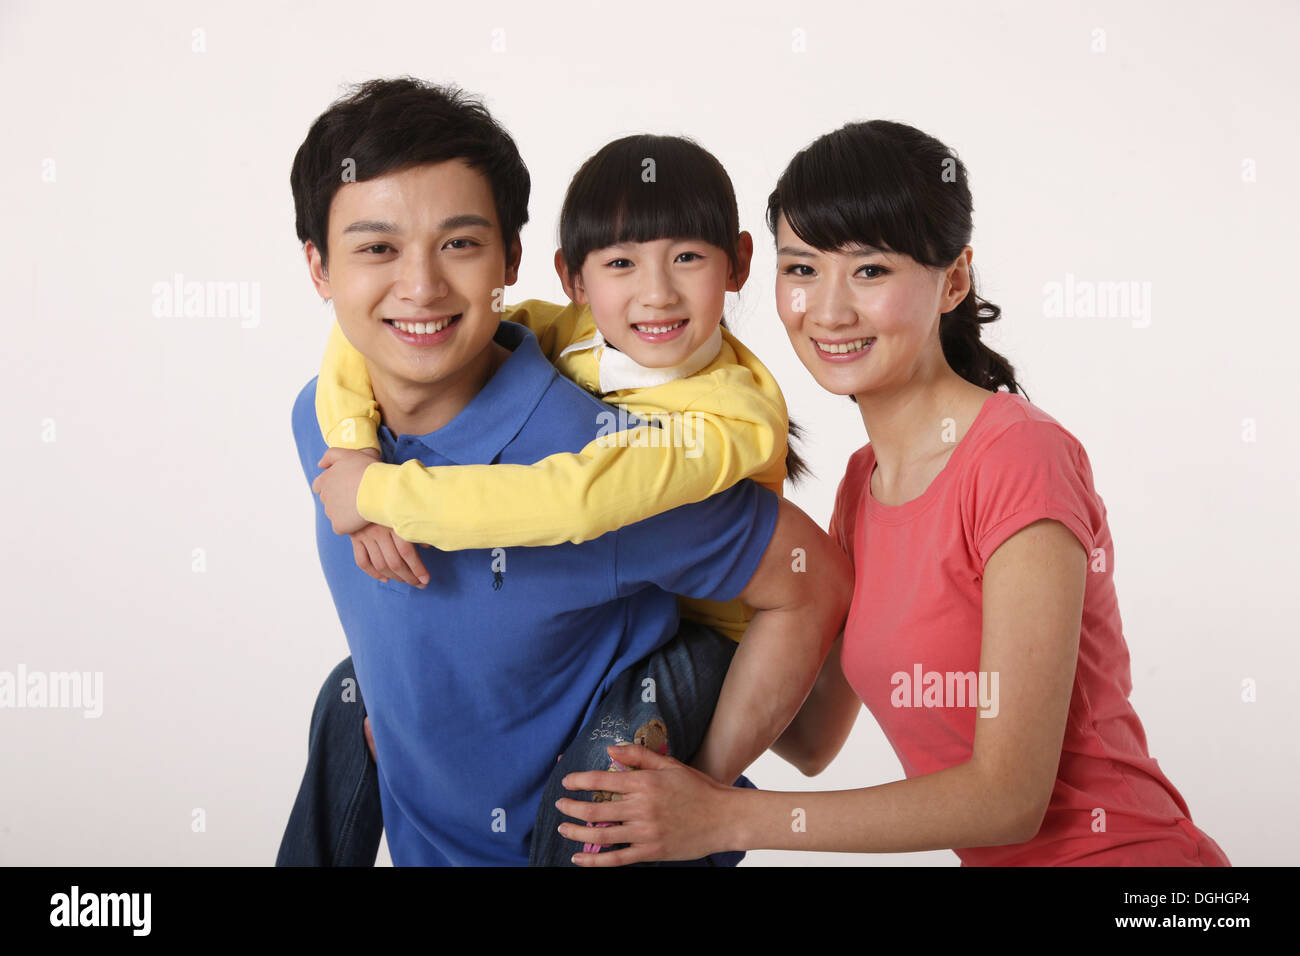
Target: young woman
{"type": "Point", "coordinates": [985, 633]}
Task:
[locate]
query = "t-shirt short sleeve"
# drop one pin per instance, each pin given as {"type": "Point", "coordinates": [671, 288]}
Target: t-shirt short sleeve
{"type": "Point", "coordinates": [1033, 470]}
{"type": "Point", "coordinates": [709, 549]}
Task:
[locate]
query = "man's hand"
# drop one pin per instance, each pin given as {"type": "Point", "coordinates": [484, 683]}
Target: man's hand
{"type": "Point", "coordinates": [382, 554]}
{"type": "Point", "coordinates": [337, 486]}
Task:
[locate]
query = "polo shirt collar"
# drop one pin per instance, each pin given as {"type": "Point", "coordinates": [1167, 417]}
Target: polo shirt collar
{"type": "Point", "coordinates": [618, 371]}
{"type": "Point", "coordinates": [499, 411]}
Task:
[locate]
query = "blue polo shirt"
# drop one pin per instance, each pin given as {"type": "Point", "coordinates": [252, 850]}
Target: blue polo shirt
{"type": "Point", "coordinates": [477, 683]}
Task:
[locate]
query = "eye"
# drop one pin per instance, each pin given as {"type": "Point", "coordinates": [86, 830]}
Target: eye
{"type": "Point", "coordinates": [467, 243]}
{"type": "Point", "coordinates": [619, 263]}
{"type": "Point", "coordinates": [693, 256]}
{"type": "Point", "coordinates": [377, 245]}
{"type": "Point", "coordinates": [794, 270]}
{"type": "Point", "coordinates": [880, 271]}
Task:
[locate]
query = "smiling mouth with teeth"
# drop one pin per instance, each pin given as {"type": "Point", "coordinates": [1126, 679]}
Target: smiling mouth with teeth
{"type": "Point", "coordinates": [843, 348]}
{"type": "Point", "coordinates": [422, 328]}
{"type": "Point", "coordinates": [659, 329]}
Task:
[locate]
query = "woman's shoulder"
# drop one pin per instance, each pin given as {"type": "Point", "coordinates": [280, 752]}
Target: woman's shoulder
{"type": "Point", "coordinates": [1010, 420]}
{"type": "Point", "coordinates": [1025, 464]}
{"type": "Point", "coordinates": [859, 466]}
{"type": "Point", "coordinates": [848, 497]}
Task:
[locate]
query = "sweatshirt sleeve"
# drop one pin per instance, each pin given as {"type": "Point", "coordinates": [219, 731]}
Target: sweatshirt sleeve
{"type": "Point", "coordinates": [345, 402]}
{"type": "Point", "coordinates": [621, 477]}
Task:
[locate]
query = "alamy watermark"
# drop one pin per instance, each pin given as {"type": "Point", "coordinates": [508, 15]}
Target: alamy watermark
{"type": "Point", "coordinates": [210, 299]}
{"type": "Point", "coordinates": [619, 429]}
{"type": "Point", "coordinates": [70, 690]}
{"type": "Point", "coordinates": [946, 689]}
{"type": "Point", "coordinates": [76, 908]}
{"type": "Point", "coordinates": [1093, 299]}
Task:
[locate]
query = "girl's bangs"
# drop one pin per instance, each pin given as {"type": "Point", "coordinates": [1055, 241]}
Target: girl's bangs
{"type": "Point", "coordinates": [619, 197]}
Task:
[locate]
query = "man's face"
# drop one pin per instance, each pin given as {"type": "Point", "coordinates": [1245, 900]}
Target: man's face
{"type": "Point", "coordinates": [416, 266]}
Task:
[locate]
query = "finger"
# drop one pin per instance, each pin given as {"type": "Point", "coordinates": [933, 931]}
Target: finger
{"type": "Point", "coordinates": [410, 556]}
{"type": "Point", "coordinates": [631, 854]}
{"type": "Point", "coordinates": [394, 564]}
{"type": "Point", "coordinates": [592, 812]}
{"type": "Point", "coordinates": [615, 781]}
{"type": "Point", "coordinates": [602, 836]}
{"type": "Point", "coordinates": [376, 557]}
{"type": "Point", "coordinates": [315, 485]}
{"type": "Point", "coordinates": [331, 455]}
{"type": "Point", "coordinates": [363, 558]}
{"type": "Point", "coordinates": [635, 755]}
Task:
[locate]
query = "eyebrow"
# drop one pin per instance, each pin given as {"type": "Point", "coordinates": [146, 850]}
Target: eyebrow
{"type": "Point", "coordinates": [390, 228]}
{"type": "Point", "coordinates": [853, 250]}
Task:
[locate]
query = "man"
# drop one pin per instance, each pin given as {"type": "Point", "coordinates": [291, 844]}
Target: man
{"type": "Point", "coordinates": [409, 203]}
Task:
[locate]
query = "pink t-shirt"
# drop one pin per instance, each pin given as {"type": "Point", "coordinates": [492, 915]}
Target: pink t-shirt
{"type": "Point", "coordinates": [912, 640]}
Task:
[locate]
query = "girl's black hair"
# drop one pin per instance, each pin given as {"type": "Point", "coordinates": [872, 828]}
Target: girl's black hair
{"type": "Point", "coordinates": [891, 186]}
{"type": "Point", "coordinates": [645, 187]}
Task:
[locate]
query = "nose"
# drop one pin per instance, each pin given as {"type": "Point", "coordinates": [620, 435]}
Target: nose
{"type": "Point", "coordinates": [830, 307]}
{"type": "Point", "coordinates": [420, 280]}
{"type": "Point", "coordinates": [657, 289]}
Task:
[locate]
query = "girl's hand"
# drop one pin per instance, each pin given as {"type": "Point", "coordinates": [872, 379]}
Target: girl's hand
{"type": "Point", "coordinates": [337, 486]}
{"type": "Point", "coordinates": [382, 554]}
{"type": "Point", "coordinates": [666, 810]}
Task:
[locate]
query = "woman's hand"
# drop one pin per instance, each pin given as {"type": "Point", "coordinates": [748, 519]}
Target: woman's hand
{"type": "Point", "coordinates": [666, 810]}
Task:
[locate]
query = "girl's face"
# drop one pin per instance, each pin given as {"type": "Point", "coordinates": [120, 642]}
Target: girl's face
{"type": "Point", "coordinates": [659, 301]}
{"type": "Point", "coordinates": [862, 320]}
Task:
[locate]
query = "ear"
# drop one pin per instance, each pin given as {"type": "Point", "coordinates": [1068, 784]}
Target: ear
{"type": "Point", "coordinates": [513, 257]}
{"type": "Point", "coordinates": [319, 277]}
{"type": "Point", "coordinates": [572, 282]}
{"type": "Point", "coordinates": [744, 255]}
{"type": "Point", "coordinates": [957, 281]}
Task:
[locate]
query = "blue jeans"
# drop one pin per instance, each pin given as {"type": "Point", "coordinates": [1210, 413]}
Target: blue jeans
{"type": "Point", "coordinates": [682, 681]}
{"type": "Point", "coordinates": [337, 819]}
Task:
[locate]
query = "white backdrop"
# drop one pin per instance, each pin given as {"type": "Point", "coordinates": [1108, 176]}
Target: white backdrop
{"type": "Point", "coordinates": [159, 530]}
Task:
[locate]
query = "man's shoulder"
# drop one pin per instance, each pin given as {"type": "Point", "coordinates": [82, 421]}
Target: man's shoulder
{"type": "Point", "coordinates": [569, 417]}
{"type": "Point", "coordinates": [304, 409]}
{"type": "Point", "coordinates": [306, 429]}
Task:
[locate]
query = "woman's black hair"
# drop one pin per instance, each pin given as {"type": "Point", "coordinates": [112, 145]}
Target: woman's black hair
{"type": "Point", "coordinates": [891, 186]}
{"type": "Point", "coordinates": [646, 187]}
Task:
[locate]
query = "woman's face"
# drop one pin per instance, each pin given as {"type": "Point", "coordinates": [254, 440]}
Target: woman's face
{"type": "Point", "coordinates": [862, 320]}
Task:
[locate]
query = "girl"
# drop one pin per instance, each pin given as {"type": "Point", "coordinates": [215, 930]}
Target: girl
{"type": "Point", "coordinates": [983, 567]}
{"type": "Point", "coordinates": [650, 242]}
